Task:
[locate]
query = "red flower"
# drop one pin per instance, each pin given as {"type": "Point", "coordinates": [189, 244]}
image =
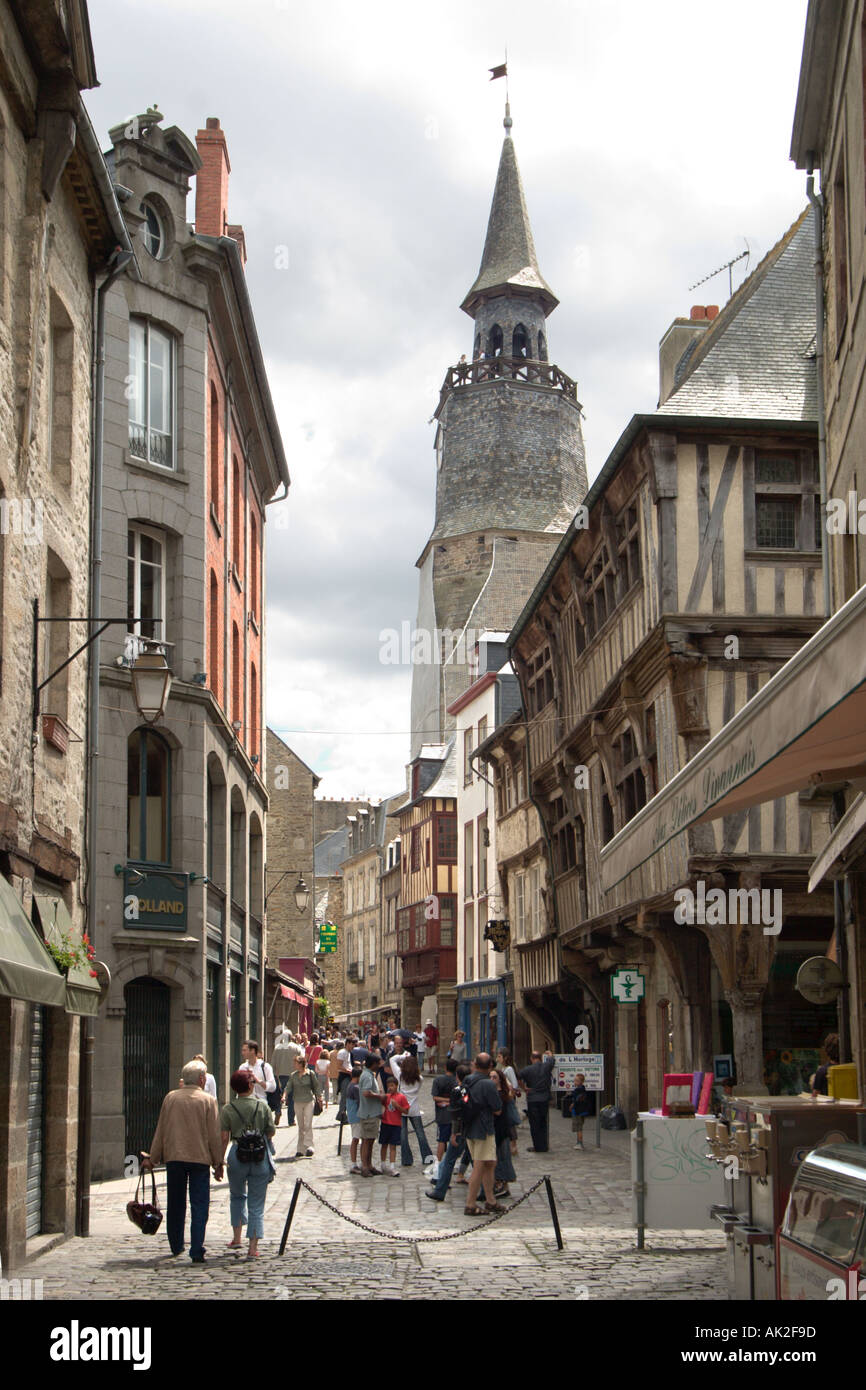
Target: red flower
{"type": "Point", "coordinates": [94, 975]}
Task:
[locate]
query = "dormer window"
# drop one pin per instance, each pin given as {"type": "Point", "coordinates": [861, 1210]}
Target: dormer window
{"type": "Point", "coordinates": [153, 232]}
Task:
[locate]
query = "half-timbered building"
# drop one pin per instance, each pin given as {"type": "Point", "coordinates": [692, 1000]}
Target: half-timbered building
{"type": "Point", "coordinates": [426, 915]}
{"type": "Point", "coordinates": [688, 579]}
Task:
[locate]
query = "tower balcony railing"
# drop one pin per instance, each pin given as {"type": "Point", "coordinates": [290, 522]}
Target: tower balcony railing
{"type": "Point", "coordinates": [511, 369]}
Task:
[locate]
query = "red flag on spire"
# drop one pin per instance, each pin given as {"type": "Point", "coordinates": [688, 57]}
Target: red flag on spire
{"type": "Point", "coordinates": [501, 71]}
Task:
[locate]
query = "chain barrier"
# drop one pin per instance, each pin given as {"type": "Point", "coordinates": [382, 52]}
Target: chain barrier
{"type": "Point", "coordinates": [421, 1240]}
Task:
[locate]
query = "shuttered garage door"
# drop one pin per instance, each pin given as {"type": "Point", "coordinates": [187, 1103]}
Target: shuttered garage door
{"type": "Point", "coordinates": [35, 1135]}
{"type": "Point", "coordinates": [146, 1076]}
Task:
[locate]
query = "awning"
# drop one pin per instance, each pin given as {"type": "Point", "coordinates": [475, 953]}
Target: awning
{"type": "Point", "coordinates": [286, 992]}
{"type": "Point", "coordinates": [82, 990]}
{"type": "Point", "coordinates": [27, 968]}
{"type": "Point", "coordinates": [807, 726]}
{"type": "Point", "coordinates": [850, 826]}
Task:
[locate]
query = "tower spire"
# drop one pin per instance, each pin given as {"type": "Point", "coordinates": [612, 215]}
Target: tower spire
{"type": "Point", "coordinates": [508, 262]}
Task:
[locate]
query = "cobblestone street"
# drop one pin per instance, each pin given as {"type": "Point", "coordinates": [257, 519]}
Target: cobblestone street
{"type": "Point", "coordinates": [514, 1256]}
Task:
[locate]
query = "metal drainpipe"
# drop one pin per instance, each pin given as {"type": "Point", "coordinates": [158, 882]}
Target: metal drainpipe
{"type": "Point", "coordinates": [117, 264]}
{"type": "Point", "coordinates": [818, 233]}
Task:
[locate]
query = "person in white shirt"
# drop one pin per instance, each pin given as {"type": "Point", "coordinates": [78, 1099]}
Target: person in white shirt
{"type": "Point", "coordinates": [405, 1067]}
{"type": "Point", "coordinates": [265, 1081]}
{"type": "Point", "coordinates": [209, 1080]}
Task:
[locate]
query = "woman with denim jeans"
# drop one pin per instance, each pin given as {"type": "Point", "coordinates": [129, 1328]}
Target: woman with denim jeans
{"type": "Point", "coordinates": [248, 1182]}
{"type": "Point", "coordinates": [405, 1067]}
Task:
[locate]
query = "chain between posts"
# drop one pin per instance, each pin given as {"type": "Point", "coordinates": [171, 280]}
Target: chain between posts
{"type": "Point", "coordinates": [420, 1240]}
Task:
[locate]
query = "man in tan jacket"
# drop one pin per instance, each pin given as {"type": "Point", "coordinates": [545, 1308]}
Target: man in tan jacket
{"type": "Point", "coordinates": [189, 1142]}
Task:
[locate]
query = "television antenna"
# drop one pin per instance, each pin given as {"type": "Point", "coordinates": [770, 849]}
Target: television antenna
{"type": "Point", "coordinates": [729, 267]}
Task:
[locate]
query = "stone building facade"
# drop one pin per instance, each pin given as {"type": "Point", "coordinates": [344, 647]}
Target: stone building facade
{"type": "Point", "coordinates": [290, 931]}
{"type": "Point", "coordinates": [192, 454]}
{"type": "Point", "coordinates": [364, 988]}
{"type": "Point", "coordinates": [510, 467]}
{"type": "Point", "coordinates": [61, 235]}
{"type": "Point", "coordinates": [829, 137]}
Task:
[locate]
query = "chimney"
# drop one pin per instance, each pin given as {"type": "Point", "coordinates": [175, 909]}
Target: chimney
{"type": "Point", "coordinates": [212, 180]}
{"type": "Point", "coordinates": [680, 336]}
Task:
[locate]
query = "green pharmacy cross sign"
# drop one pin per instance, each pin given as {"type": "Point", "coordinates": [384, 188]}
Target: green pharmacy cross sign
{"type": "Point", "coordinates": [627, 985]}
{"type": "Point", "coordinates": [327, 938]}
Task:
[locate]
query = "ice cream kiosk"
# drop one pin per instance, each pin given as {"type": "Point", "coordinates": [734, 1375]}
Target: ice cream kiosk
{"type": "Point", "coordinates": [760, 1144]}
{"type": "Point", "coordinates": [821, 1249]}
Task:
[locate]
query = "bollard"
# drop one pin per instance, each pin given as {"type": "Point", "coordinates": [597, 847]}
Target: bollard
{"type": "Point", "coordinates": [292, 1205]}
{"type": "Point", "coordinates": [340, 1140]}
{"type": "Point", "coordinates": [553, 1216]}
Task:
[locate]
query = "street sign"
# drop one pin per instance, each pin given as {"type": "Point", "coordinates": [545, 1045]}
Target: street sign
{"type": "Point", "coordinates": [627, 985]}
{"type": "Point", "coordinates": [568, 1064]}
{"type": "Point", "coordinates": [327, 938]}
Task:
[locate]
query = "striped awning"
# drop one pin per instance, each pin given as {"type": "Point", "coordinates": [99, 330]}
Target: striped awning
{"type": "Point", "coordinates": [27, 968]}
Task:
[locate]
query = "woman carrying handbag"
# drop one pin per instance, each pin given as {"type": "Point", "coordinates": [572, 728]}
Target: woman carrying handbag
{"type": "Point", "coordinates": [249, 1124]}
{"type": "Point", "coordinates": [303, 1086]}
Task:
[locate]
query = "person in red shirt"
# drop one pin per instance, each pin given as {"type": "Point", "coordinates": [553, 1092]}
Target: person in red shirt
{"type": "Point", "coordinates": [313, 1051]}
{"type": "Point", "coordinates": [395, 1107]}
{"type": "Point", "coordinates": [431, 1036]}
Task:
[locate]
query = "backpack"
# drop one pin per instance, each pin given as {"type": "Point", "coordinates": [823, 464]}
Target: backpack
{"type": "Point", "coordinates": [251, 1143]}
{"type": "Point", "coordinates": [462, 1106]}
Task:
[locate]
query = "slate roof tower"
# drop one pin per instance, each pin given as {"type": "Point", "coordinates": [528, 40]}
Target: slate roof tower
{"type": "Point", "coordinates": [509, 459]}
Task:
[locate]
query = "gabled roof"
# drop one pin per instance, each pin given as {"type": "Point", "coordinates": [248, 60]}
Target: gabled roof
{"type": "Point", "coordinates": [445, 781]}
{"type": "Point", "coordinates": [758, 359]}
{"type": "Point", "coordinates": [508, 262]}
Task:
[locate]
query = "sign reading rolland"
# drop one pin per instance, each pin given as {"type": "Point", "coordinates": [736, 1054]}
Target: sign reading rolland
{"type": "Point", "coordinates": [154, 899]}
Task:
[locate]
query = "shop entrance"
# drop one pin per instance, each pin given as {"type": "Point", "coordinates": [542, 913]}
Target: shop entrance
{"type": "Point", "coordinates": [146, 1076]}
{"type": "Point", "coordinates": [35, 1121]}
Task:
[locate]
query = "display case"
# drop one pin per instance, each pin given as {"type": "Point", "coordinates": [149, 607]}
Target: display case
{"type": "Point", "coordinates": [760, 1143]}
{"type": "Point", "coordinates": [822, 1244]}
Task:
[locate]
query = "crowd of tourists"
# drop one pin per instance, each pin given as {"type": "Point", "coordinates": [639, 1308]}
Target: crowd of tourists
{"type": "Point", "coordinates": [373, 1081]}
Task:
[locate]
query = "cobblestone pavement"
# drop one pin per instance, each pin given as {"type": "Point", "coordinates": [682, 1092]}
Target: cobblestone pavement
{"type": "Point", "coordinates": [513, 1257]}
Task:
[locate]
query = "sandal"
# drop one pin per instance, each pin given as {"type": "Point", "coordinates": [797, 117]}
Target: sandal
{"type": "Point", "coordinates": [472, 1211]}
{"type": "Point", "coordinates": [494, 1206]}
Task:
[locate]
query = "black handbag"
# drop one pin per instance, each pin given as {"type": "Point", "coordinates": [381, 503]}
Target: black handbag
{"type": "Point", "coordinates": [147, 1216]}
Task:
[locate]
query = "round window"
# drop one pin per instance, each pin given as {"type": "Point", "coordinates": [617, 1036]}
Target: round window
{"type": "Point", "coordinates": [152, 231]}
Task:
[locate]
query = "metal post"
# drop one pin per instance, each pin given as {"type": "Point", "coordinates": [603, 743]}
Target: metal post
{"type": "Point", "coordinates": [640, 1185]}
{"type": "Point", "coordinates": [292, 1205]}
{"type": "Point", "coordinates": [553, 1216]}
{"type": "Point", "coordinates": [340, 1139]}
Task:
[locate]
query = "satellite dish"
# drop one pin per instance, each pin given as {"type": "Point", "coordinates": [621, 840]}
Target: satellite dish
{"type": "Point", "coordinates": [819, 980]}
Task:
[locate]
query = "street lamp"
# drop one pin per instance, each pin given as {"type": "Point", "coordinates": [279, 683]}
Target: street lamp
{"type": "Point", "coordinates": [151, 682]}
{"type": "Point", "coordinates": [302, 892]}
{"type": "Point", "coordinates": [302, 895]}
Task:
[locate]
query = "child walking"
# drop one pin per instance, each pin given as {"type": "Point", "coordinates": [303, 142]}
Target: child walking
{"type": "Point", "coordinates": [582, 1104]}
{"type": "Point", "coordinates": [395, 1107]}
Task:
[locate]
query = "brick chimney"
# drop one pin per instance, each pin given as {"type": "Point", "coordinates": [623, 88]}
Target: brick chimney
{"type": "Point", "coordinates": [673, 345]}
{"type": "Point", "coordinates": [212, 185]}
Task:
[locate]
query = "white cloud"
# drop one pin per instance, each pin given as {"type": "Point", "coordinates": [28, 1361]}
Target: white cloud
{"type": "Point", "coordinates": [651, 139]}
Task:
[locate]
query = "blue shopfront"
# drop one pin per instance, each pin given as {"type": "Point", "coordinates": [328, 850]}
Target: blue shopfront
{"type": "Point", "coordinates": [482, 1014]}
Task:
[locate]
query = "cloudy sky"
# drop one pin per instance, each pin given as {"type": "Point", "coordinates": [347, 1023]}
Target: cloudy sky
{"type": "Point", "coordinates": [364, 139]}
